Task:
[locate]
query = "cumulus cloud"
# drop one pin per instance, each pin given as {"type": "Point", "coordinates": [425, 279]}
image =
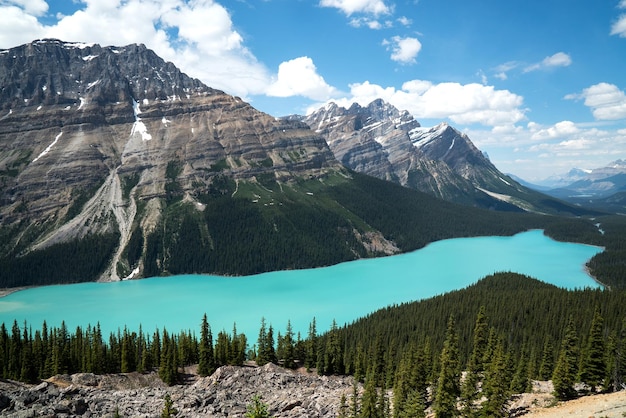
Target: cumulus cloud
{"type": "Point", "coordinates": [18, 27]}
{"type": "Point", "coordinates": [299, 77]}
{"type": "Point", "coordinates": [607, 101]}
{"type": "Point", "coordinates": [619, 27]}
{"type": "Point", "coordinates": [369, 23]}
{"type": "Point", "coordinates": [461, 103]}
{"type": "Point", "coordinates": [349, 7]}
{"type": "Point", "coordinates": [32, 7]}
{"type": "Point", "coordinates": [197, 35]}
{"type": "Point", "coordinates": [403, 50]}
{"type": "Point", "coordinates": [558, 130]}
{"type": "Point", "coordinates": [560, 59]}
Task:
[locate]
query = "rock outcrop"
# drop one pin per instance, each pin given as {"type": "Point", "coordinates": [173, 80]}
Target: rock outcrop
{"type": "Point", "coordinates": [224, 394]}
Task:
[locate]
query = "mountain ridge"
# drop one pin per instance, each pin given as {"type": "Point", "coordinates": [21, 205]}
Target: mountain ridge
{"type": "Point", "coordinates": [382, 141]}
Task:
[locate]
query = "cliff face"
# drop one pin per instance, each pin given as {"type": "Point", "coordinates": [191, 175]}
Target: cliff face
{"type": "Point", "coordinates": [88, 133]}
{"type": "Point", "coordinates": [384, 142]}
{"type": "Point", "coordinates": [379, 140]}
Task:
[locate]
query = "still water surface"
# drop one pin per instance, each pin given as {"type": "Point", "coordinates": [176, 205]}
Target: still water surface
{"type": "Point", "coordinates": [343, 292]}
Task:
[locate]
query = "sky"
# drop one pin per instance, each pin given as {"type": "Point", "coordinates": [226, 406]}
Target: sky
{"type": "Point", "coordinates": [539, 85]}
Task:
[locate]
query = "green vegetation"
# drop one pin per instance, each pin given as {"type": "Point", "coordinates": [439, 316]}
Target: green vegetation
{"type": "Point", "coordinates": [73, 262]}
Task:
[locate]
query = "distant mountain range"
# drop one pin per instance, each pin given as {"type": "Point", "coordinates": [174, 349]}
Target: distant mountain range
{"type": "Point", "coordinates": [601, 188]}
{"type": "Point", "coordinates": [116, 165]}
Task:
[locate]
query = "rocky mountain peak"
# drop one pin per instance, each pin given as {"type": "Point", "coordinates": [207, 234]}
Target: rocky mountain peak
{"type": "Point", "coordinates": [89, 133]}
{"type": "Point", "coordinates": [50, 71]}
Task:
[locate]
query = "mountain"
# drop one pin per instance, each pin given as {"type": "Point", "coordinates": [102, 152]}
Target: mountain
{"type": "Point", "coordinates": [575, 175]}
{"type": "Point", "coordinates": [100, 141]}
{"type": "Point", "coordinates": [381, 141]}
{"type": "Point", "coordinates": [116, 165]}
{"type": "Point", "coordinates": [600, 188]}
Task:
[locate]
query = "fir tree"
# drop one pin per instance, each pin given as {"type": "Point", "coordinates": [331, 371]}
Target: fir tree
{"type": "Point", "coordinates": [168, 407]}
{"type": "Point", "coordinates": [564, 375]}
{"type": "Point", "coordinates": [206, 364]}
{"type": "Point", "coordinates": [257, 409]}
{"type": "Point", "coordinates": [496, 385]}
{"type": "Point", "coordinates": [547, 360]}
{"type": "Point", "coordinates": [469, 388]}
{"type": "Point", "coordinates": [448, 389]}
{"type": "Point", "coordinates": [593, 367]}
{"type": "Point", "coordinates": [310, 359]}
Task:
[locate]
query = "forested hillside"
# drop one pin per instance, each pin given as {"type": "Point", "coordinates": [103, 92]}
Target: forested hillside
{"type": "Point", "coordinates": [253, 227]}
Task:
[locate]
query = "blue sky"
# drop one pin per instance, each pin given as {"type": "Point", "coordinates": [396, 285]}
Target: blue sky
{"type": "Point", "coordinates": [540, 85]}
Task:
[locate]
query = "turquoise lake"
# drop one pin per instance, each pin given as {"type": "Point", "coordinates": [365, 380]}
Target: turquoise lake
{"type": "Point", "coordinates": [343, 292]}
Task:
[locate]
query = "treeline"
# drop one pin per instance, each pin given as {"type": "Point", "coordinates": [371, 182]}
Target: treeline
{"type": "Point", "coordinates": [72, 262]}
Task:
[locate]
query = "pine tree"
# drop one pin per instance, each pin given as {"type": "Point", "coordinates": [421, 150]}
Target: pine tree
{"type": "Point", "coordinates": [257, 409]}
{"type": "Point", "coordinates": [206, 364]}
{"type": "Point", "coordinates": [414, 406]}
{"type": "Point", "coordinates": [448, 389]}
{"type": "Point", "coordinates": [547, 360]}
{"type": "Point", "coordinates": [370, 397]}
{"type": "Point", "coordinates": [469, 388]}
{"type": "Point", "coordinates": [593, 368]}
{"type": "Point", "coordinates": [168, 407]}
{"type": "Point", "coordinates": [310, 359]}
{"type": "Point", "coordinates": [496, 385]}
{"type": "Point", "coordinates": [564, 375]}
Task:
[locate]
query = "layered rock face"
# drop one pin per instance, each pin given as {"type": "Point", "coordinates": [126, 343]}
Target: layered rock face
{"type": "Point", "coordinates": [87, 132]}
{"type": "Point", "coordinates": [384, 142]}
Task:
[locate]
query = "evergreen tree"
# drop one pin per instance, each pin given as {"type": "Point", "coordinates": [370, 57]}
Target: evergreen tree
{"type": "Point", "coordinates": [564, 375]}
{"type": "Point", "coordinates": [593, 368]}
{"type": "Point", "coordinates": [206, 364]}
{"type": "Point", "coordinates": [370, 397]}
{"type": "Point", "coordinates": [310, 359]}
{"type": "Point", "coordinates": [469, 388]}
{"type": "Point", "coordinates": [333, 354]}
{"type": "Point", "coordinates": [616, 374]}
{"type": "Point", "coordinates": [448, 389]}
{"type": "Point", "coordinates": [414, 406]}
{"type": "Point", "coordinates": [257, 409]}
{"type": "Point", "coordinates": [496, 385]}
{"type": "Point", "coordinates": [168, 407]}
{"type": "Point", "coordinates": [547, 360]}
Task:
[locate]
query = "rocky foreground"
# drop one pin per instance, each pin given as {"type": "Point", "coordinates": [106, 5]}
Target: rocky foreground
{"type": "Point", "coordinates": [224, 394]}
{"type": "Point", "coordinates": [230, 389]}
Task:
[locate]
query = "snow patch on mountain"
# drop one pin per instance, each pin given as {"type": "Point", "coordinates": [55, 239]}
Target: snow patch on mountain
{"type": "Point", "coordinates": [49, 147]}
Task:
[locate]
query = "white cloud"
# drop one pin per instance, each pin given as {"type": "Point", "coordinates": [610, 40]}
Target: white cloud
{"type": "Point", "coordinates": [403, 50]}
{"type": "Point", "coordinates": [405, 21]}
{"type": "Point", "coordinates": [32, 7]}
{"type": "Point", "coordinates": [299, 77]}
{"type": "Point", "coordinates": [619, 27]}
{"type": "Point", "coordinates": [558, 130]}
{"type": "Point", "coordinates": [461, 103]}
{"type": "Point", "coordinates": [18, 27]}
{"type": "Point", "coordinates": [197, 35]}
{"type": "Point", "coordinates": [349, 7]}
{"type": "Point", "coordinates": [370, 23]}
{"type": "Point", "coordinates": [541, 151]}
{"type": "Point", "coordinates": [607, 101]}
{"type": "Point", "coordinates": [560, 59]}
